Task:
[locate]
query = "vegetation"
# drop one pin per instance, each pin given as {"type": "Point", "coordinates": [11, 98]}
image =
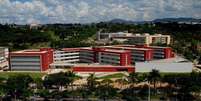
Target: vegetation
{"type": "Point", "coordinates": [116, 75]}
{"type": "Point", "coordinates": [186, 37]}
{"type": "Point", "coordinates": [34, 75]}
{"type": "Point", "coordinates": [183, 87]}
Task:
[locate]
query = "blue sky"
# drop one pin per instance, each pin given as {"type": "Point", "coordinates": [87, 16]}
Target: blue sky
{"type": "Point", "coordinates": [86, 11]}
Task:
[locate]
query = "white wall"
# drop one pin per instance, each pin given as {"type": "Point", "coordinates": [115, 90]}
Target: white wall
{"type": "Point", "coordinates": [164, 67]}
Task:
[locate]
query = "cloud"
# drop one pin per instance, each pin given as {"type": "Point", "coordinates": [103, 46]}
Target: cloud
{"type": "Point", "coordinates": [86, 11]}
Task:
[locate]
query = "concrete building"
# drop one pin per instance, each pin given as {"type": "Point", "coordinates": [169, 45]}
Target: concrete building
{"type": "Point", "coordinates": [4, 52]}
{"type": "Point", "coordinates": [31, 60]}
{"type": "Point", "coordinates": [158, 52]}
{"type": "Point", "coordinates": [67, 55]}
{"type": "Point", "coordinates": [141, 39]}
{"type": "Point", "coordinates": [171, 65]}
{"type": "Point", "coordinates": [137, 54]}
{"type": "Point", "coordinates": [101, 58]}
{"type": "Point", "coordinates": [87, 55]}
{"type": "Point", "coordinates": [114, 57]}
{"type": "Point", "coordinates": [108, 36]}
{"type": "Point", "coordinates": [103, 68]}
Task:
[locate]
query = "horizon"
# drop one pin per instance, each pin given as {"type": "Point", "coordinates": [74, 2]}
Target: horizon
{"type": "Point", "coordinates": [87, 11]}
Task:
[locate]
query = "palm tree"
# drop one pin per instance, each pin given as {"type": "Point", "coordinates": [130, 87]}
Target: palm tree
{"type": "Point", "coordinates": [154, 77]}
{"type": "Point", "coordinates": [106, 90]}
{"type": "Point", "coordinates": [91, 82]}
{"type": "Point", "coordinates": [133, 79]}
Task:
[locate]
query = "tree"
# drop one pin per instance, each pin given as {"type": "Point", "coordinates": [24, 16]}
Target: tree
{"type": "Point", "coordinates": [18, 86]}
{"type": "Point", "coordinates": [133, 79]}
{"type": "Point", "coordinates": [154, 77]}
{"type": "Point", "coordinates": [91, 82]}
{"type": "Point", "coordinates": [105, 90]}
{"type": "Point", "coordinates": [59, 79]}
{"type": "Point", "coordinates": [2, 86]}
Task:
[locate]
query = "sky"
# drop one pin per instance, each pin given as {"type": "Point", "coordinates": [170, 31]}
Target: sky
{"type": "Point", "coordinates": [87, 11]}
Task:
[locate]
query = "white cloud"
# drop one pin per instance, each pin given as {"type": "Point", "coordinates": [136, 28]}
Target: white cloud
{"type": "Point", "coordinates": [84, 11]}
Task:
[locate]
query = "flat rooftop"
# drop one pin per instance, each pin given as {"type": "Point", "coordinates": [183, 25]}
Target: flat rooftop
{"type": "Point", "coordinates": [28, 51]}
{"type": "Point", "coordinates": [136, 46]}
{"type": "Point", "coordinates": [106, 50]}
{"type": "Point", "coordinates": [85, 65]}
{"type": "Point", "coordinates": [176, 59]}
{"type": "Point", "coordinates": [70, 49]}
{"type": "Point", "coordinates": [129, 48]}
{"type": "Point", "coordinates": [116, 51]}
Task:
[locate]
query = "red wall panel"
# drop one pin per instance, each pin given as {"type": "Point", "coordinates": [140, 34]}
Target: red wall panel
{"type": "Point", "coordinates": [103, 69]}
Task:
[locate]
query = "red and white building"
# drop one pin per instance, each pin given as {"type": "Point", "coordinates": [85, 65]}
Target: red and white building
{"type": "Point", "coordinates": [67, 55]}
{"type": "Point", "coordinates": [103, 68]}
{"type": "Point", "coordinates": [31, 60]}
{"type": "Point", "coordinates": [137, 54]}
{"type": "Point", "coordinates": [157, 52]}
{"type": "Point", "coordinates": [96, 59]}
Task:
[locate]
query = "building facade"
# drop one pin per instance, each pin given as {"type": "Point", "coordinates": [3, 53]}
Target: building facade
{"type": "Point", "coordinates": [4, 52]}
{"type": "Point", "coordinates": [31, 60]}
{"type": "Point", "coordinates": [67, 55]}
{"type": "Point", "coordinates": [141, 39]}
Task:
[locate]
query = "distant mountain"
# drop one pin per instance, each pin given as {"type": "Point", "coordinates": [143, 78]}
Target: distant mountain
{"type": "Point", "coordinates": [122, 21]}
{"type": "Point", "coordinates": [184, 20]}
{"type": "Point", "coordinates": [163, 20]}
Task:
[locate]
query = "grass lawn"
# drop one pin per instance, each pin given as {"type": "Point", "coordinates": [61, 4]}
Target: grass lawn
{"type": "Point", "coordinates": [32, 74]}
{"type": "Point", "coordinates": [117, 75]}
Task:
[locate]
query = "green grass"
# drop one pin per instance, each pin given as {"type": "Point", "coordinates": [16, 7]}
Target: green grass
{"type": "Point", "coordinates": [117, 75]}
{"type": "Point", "coordinates": [32, 74]}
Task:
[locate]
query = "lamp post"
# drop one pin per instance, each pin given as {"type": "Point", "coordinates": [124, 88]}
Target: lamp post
{"type": "Point", "coordinates": [149, 91]}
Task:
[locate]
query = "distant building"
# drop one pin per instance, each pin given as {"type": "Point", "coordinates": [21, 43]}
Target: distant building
{"type": "Point", "coordinates": [31, 60]}
{"type": "Point", "coordinates": [4, 53]}
{"type": "Point", "coordinates": [137, 39]}
{"type": "Point", "coordinates": [34, 26]}
{"type": "Point", "coordinates": [108, 36]}
{"type": "Point", "coordinates": [141, 39]}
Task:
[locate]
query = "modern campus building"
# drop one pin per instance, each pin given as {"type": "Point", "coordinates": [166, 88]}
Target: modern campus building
{"type": "Point", "coordinates": [137, 39]}
{"type": "Point", "coordinates": [115, 58]}
{"type": "Point", "coordinates": [141, 39]}
{"type": "Point", "coordinates": [100, 55]}
{"type": "Point", "coordinates": [31, 60]}
{"type": "Point", "coordinates": [67, 55]}
{"type": "Point", "coordinates": [109, 58]}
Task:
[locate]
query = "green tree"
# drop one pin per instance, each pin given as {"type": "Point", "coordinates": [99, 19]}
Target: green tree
{"type": "Point", "coordinates": [153, 77]}
{"type": "Point", "coordinates": [18, 86]}
{"type": "Point", "coordinates": [92, 82]}
{"type": "Point", "coordinates": [105, 90]}
{"type": "Point", "coordinates": [133, 79]}
{"type": "Point", "coordinates": [60, 80]}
